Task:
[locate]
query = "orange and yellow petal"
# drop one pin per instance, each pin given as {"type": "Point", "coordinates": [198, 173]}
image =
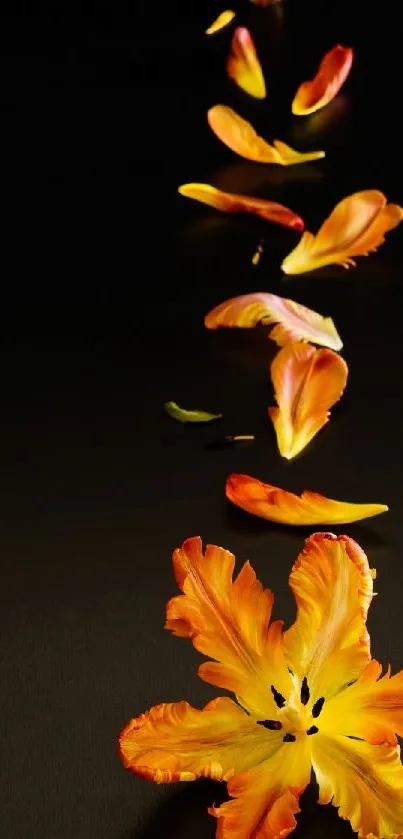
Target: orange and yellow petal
{"type": "Point", "coordinates": [307, 383]}
{"type": "Point", "coordinates": [229, 621]}
{"type": "Point", "coordinates": [222, 20]}
{"type": "Point", "coordinates": [240, 136]}
{"type": "Point", "coordinates": [329, 643]}
{"type": "Point", "coordinates": [175, 742]}
{"type": "Point", "coordinates": [356, 227]}
{"type": "Point", "coordinates": [365, 782]}
{"type": "Point", "coordinates": [266, 799]}
{"type": "Point", "coordinates": [243, 65]}
{"type": "Point", "coordinates": [229, 202]}
{"type": "Point", "coordinates": [332, 73]}
{"type": "Point", "coordinates": [295, 322]}
{"type": "Point", "coordinates": [275, 504]}
{"type": "Point", "coordinates": [371, 708]}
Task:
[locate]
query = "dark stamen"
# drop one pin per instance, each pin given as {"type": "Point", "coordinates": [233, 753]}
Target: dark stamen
{"type": "Point", "coordinates": [278, 698]}
{"type": "Point", "coordinates": [313, 730]}
{"type": "Point", "coordinates": [290, 671]}
{"type": "Point", "coordinates": [272, 725]}
{"type": "Point", "coordinates": [304, 691]}
{"type": "Point", "coordinates": [318, 707]}
{"type": "Point", "coordinates": [289, 738]}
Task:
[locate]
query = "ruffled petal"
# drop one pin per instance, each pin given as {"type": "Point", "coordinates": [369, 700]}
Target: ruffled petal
{"type": "Point", "coordinates": [241, 138]}
{"type": "Point", "coordinates": [175, 742]}
{"type": "Point", "coordinates": [230, 203]}
{"type": "Point", "coordinates": [307, 383]}
{"type": "Point", "coordinates": [229, 621]}
{"type": "Point", "coordinates": [243, 65]}
{"type": "Point", "coordinates": [332, 73]}
{"type": "Point", "coordinates": [333, 587]}
{"type": "Point", "coordinates": [295, 322]}
{"type": "Point", "coordinates": [365, 782]}
{"type": "Point", "coordinates": [371, 708]}
{"type": "Point", "coordinates": [356, 227]}
{"type": "Point", "coordinates": [266, 799]}
{"type": "Point", "coordinates": [275, 504]}
{"type": "Point", "coordinates": [222, 20]}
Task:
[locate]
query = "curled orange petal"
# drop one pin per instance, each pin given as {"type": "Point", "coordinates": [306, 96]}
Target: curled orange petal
{"type": "Point", "coordinates": [295, 322]}
{"type": "Point", "coordinates": [332, 73]}
{"type": "Point", "coordinates": [356, 227]}
{"type": "Point", "coordinates": [275, 504]}
{"type": "Point", "coordinates": [231, 203]}
{"type": "Point", "coordinates": [222, 20]}
{"type": "Point", "coordinates": [243, 65]}
{"type": "Point", "coordinates": [307, 383]}
{"type": "Point", "coordinates": [240, 136]}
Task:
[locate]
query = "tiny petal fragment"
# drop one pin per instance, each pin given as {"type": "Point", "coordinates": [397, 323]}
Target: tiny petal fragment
{"type": "Point", "coordinates": [332, 73]}
{"type": "Point", "coordinates": [278, 505]}
{"type": "Point", "coordinates": [295, 322]}
{"type": "Point", "coordinates": [307, 383]}
{"type": "Point", "coordinates": [243, 65]}
{"type": "Point", "coordinates": [222, 20]}
{"type": "Point", "coordinates": [182, 415]}
{"type": "Point", "coordinates": [356, 227]}
{"type": "Point", "coordinates": [241, 138]}
{"type": "Point", "coordinates": [231, 203]}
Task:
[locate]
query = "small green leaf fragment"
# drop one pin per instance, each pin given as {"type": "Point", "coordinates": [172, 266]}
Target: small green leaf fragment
{"type": "Point", "coordinates": [181, 415]}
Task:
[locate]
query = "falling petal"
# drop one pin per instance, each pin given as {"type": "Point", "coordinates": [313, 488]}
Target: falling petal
{"type": "Point", "coordinates": [307, 383]}
{"type": "Point", "coordinates": [230, 440]}
{"type": "Point", "coordinates": [356, 227]}
{"type": "Point", "coordinates": [228, 202]}
{"type": "Point", "coordinates": [182, 415]}
{"type": "Point", "coordinates": [332, 73]}
{"type": "Point", "coordinates": [278, 505]}
{"type": "Point", "coordinates": [295, 322]}
{"type": "Point", "coordinates": [222, 20]}
{"type": "Point", "coordinates": [243, 65]}
{"type": "Point", "coordinates": [241, 138]}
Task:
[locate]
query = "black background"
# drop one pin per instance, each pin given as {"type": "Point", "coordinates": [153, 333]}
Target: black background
{"type": "Point", "coordinates": [106, 277]}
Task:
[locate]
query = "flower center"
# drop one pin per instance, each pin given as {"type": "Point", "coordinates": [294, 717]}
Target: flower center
{"type": "Point", "coordinates": [297, 714]}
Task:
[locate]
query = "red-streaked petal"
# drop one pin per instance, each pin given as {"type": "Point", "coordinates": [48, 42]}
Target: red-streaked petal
{"type": "Point", "coordinates": [175, 742]}
{"type": "Point", "coordinates": [333, 587]}
{"type": "Point", "coordinates": [266, 799]}
{"type": "Point", "coordinates": [243, 65]}
{"type": "Point", "coordinates": [332, 73]}
{"type": "Point", "coordinates": [229, 202]}
{"type": "Point", "coordinates": [240, 136]}
{"type": "Point", "coordinates": [371, 708]}
{"type": "Point", "coordinates": [365, 782]}
{"type": "Point", "coordinates": [295, 322]}
{"type": "Point", "coordinates": [275, 504]}
{"type": "Point", "coordinates": [356, 227]}
{"type": "Point", "coordinates": [229, 621]}
{"type": "Point", "coordinates": [307, 383]}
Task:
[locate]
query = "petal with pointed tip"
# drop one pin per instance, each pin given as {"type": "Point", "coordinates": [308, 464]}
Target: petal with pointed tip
{"type": "Point", "coordinates": [243, 65]}
{"type": "Point", "coordinates": [229, 202]}
{"type": "Point", "coordinates": [332, 73]}
{"type": "Point", "coordinates": [222, 20]}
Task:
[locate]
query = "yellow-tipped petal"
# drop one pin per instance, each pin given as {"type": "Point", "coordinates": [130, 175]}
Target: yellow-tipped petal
{"type": "Point", "coordinates": [222, 20]}
{"type": "Point", "coordinates": [229, 202]}
{"type": "Point", "coordinates": [243, 65]}
{"type": "Point", "coordinates": [332, 73]}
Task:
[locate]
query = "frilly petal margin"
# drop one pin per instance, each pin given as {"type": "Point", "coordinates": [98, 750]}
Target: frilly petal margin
{"type": "Point", "coordinates": [332, 73]}
{"type": "Point", "coordinates": [333, 587]}
{"type": "Point", "coordinates": [229, 621]}
{"type": "Point", "coordinates": [275, 504]}
{"type": "Point", "coordinates": [229, 202]}
{"type": "Point", "coordinates": [356, 227]}
{"type": "Point", "coordinates": [240, 136]}
{"type": "Point", "coordinates": [295, 321]}
{"type": "Point", "coordinates": [175, 742]}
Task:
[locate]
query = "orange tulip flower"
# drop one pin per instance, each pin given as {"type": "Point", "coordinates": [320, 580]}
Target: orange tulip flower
{"type": "Point", "coordinates": [240, 136]}
{"type": "Point", "coordinates": [356, 227]}
{"type": "Point", "coordinates": [308, 698]}
{"type": "Point", "coordinates": [275, 504]}
{"type": "Point", "coordinates": [332, 73]}
{"type": "Point", "coordinates": [243, 65]}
